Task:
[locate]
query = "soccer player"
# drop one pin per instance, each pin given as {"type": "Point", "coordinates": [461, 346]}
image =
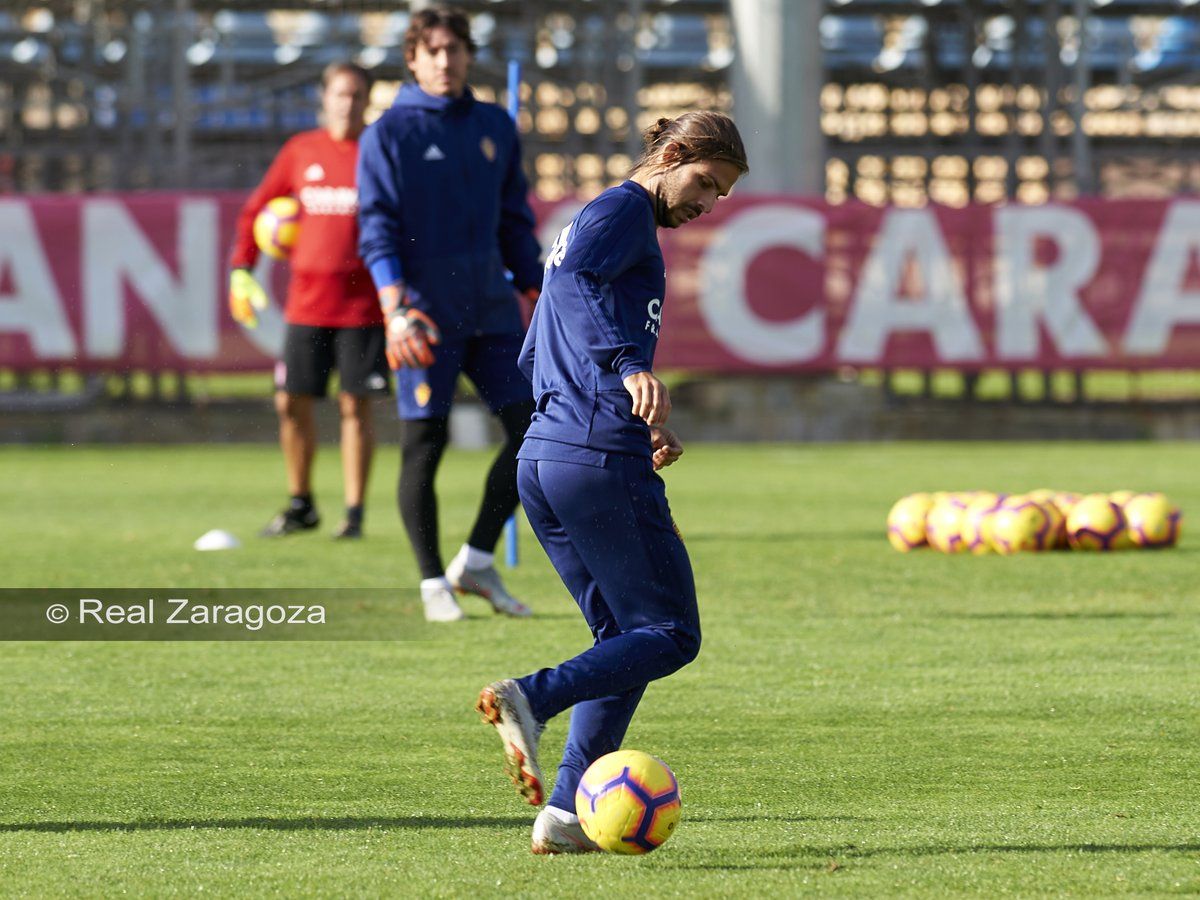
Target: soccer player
{"type": "Point", "coordinates": [332, 313]}
{"type": "Point", "coordinates": [587, 467]}
{"type": "Point", "coordinates": [443, 213]}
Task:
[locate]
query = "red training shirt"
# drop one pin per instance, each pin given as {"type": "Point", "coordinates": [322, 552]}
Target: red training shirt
{"type": "Point", "coordinates": [330, 287]}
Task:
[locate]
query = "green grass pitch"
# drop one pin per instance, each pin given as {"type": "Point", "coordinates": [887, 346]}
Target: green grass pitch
{"type": "Point", "coordinates": [859, 722]}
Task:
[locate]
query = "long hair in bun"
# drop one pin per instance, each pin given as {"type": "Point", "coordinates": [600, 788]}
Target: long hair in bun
{"type": "Point", "coordinates": [698, 135]}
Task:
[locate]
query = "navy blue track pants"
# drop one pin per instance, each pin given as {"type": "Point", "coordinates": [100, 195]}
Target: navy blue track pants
{"type": "Point", "coordinates": [608, 532]}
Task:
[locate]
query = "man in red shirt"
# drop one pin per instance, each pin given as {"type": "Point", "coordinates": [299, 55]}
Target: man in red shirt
{"type": "Point", "coordinates": [332, 311]}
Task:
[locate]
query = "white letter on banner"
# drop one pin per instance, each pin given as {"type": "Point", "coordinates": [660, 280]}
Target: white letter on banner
{"type": "Point", "coordinates": [879, 310]}
{"type": "Point", "coordinates": [1163, 303]}
{"type": "Point", "coordinates": [1026, 291]}
{"type": "Point", "coordinates": [116, 251]}
{"type": "Point", "coordinates": [722, 296]}
{"type": "Point", "coordinates": [34, 308]}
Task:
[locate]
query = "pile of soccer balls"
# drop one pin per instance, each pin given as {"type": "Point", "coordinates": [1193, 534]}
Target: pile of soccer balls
{"type": "Point", "coordinates": [982, 522]}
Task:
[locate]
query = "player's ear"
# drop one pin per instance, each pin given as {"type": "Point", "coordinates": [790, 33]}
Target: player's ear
{"type": "Point", "coordinates": [671, 153]}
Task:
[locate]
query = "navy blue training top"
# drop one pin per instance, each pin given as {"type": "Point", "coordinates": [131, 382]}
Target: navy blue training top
{"type": "Point", "coordinates": [442, 205]}
{"type": "Point", "coordinates": [596, 322]}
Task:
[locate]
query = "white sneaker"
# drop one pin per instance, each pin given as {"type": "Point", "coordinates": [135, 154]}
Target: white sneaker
{"type": "Point", "coordinates": [503, 704]}
{"type": "Point", "coordinates": [438, 600]}
{"type": "Point", "coordinates": [485, 583]}
{"type": "Point", "coordinates": [557, 831]}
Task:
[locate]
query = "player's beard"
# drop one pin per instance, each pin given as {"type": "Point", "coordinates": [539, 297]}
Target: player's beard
{"type": "Point", "coordinates": [662, 212]}
{"type": "Point", "coordinates": [666, 215]}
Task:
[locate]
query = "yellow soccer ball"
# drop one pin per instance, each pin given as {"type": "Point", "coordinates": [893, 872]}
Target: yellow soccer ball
{"type": "Point", "coordinates": [277, 226]}
{"type": "Point", "coordinates": [1152, 520]}
{"type": "Point", "coordinates": [1095, 523]}
{"type": "Point", "coordinates": [1121, 497]}
{"type": "Point", "coordinates": [906, 522]}
{"type": "Point", "coordinates": [1057, 538]}
{"type": "Point", "coordinates": [1021, 524]}
{"type": "Point", "coordinates": [1065, 501]}
{"type": "Point", "coordinates": [1050, 500]}
{"type": "Point", "coordinates": [1124, 541]}
{"type": "Point", "coordinates": [977, 521]}
{"type": "Point", "coordinates": [1042, 495]}
{"type": "Point", "coordinates": [628, 802]}
{"type": "Point", "coordinates": [943, 525]}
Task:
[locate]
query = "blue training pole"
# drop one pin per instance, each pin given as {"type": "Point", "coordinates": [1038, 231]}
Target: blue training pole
{"type": "Point", "coordinates": [511, 555]}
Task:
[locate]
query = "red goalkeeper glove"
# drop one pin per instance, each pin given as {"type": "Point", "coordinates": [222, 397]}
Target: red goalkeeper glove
{"type": "Point", "coordinates": [411, 334]}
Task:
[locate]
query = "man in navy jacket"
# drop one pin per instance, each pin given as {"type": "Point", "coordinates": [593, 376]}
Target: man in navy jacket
{"type": "Point", "coordinates": [442, 215]}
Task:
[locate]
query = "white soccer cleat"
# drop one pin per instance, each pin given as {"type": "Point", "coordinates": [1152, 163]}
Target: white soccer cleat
{"type": "Point", "coordinates": [440, 605]}
{"type": "Point", "coordinates": [558, 831]}
{"type": "Point", "coordinates": [503, 704]}
{"type": "Point", "coordinates": [485, 583]}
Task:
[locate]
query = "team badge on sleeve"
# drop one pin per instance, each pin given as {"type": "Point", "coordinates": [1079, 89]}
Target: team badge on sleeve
{"type": "Point", "coordinates": [488, 146]}
{"type": "Point", "coordinates": [421, 393]}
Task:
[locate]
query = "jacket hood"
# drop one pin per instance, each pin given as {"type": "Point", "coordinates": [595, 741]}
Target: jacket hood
{"type": "Point", "coordinates": [413, 97]}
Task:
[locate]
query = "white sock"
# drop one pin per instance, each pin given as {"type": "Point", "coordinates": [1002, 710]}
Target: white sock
{"type": "Point", "coordinates": [562, 815]}
{"type": "Point", "coordinates": [432, 584]}
{"type": "Point", "coordinates": [476, 559]}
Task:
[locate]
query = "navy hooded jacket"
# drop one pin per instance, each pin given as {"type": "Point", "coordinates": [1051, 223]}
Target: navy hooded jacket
{"type": "Point", "coordinates": [596, 323]}
{"type": "Point", "coordinates": [443, 208]}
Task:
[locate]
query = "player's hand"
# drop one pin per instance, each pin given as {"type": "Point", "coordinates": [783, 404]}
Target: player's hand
{"type": "Point", "coordinates": [651, 402]}
{"type": "Point", "coordinates": [246, 298]}
{"type": "Point", "coordinates": [411, 337]}
{"type": "Point", "coordinates": [532, 294]}
{"type": "Point", "coordinates": [410, 333]}
{"type": "Point", "coordinates": [666, 446]}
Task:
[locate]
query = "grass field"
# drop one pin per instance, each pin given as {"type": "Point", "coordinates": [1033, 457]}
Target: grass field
{"type": "Point", "coordinates": [859, 722]}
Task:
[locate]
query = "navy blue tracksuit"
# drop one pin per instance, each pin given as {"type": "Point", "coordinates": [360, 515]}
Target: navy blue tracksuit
{"type": "Point", "coordinates": [587, 482]}
{"type": "Point", "coordinates": [443, 208]}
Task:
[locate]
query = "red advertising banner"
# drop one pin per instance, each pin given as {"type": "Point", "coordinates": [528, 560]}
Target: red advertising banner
{"type": "Point", "coordinates": [114, 282]}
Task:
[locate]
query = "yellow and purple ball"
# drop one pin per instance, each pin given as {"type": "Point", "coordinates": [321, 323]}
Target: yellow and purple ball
{"type": "Point", "coordinates": [277, 226]}
{"type": "Point", "coordinates": [628, 802]}
{"type": "Point", "coordinates": [1057, 539]}
{"type": "Point", "coordinates": [976, 522]}
{"type": "Point", "coordinates": [1153, 521]}
{"type": "Point", "coordinates": [1065, 501]}
{"type": "Point", "coordinates": [906, 521]}
{"type": "Point", "coordinates": [1095, 523]}
{"type": "Point", "coordinates": [1121, 497]}
{"type": "Point", "coordinates": [943, 525]}
{"type": "Point", "coordinates": [1021, 524]}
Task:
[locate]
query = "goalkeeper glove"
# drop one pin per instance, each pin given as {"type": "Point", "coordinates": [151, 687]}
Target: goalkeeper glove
{"type": "Point", "coordinates": [411, 334]}
{"type": "Point", "coordinates": [246, 296]}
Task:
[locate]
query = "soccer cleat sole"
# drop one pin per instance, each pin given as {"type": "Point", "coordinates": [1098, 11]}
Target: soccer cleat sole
{"type": "Point", "coordinates": [560, 849]}
{"type": "Point", "coordinates": [554, 848]}
{"type": "Point", "coordinates": [528, 785]}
